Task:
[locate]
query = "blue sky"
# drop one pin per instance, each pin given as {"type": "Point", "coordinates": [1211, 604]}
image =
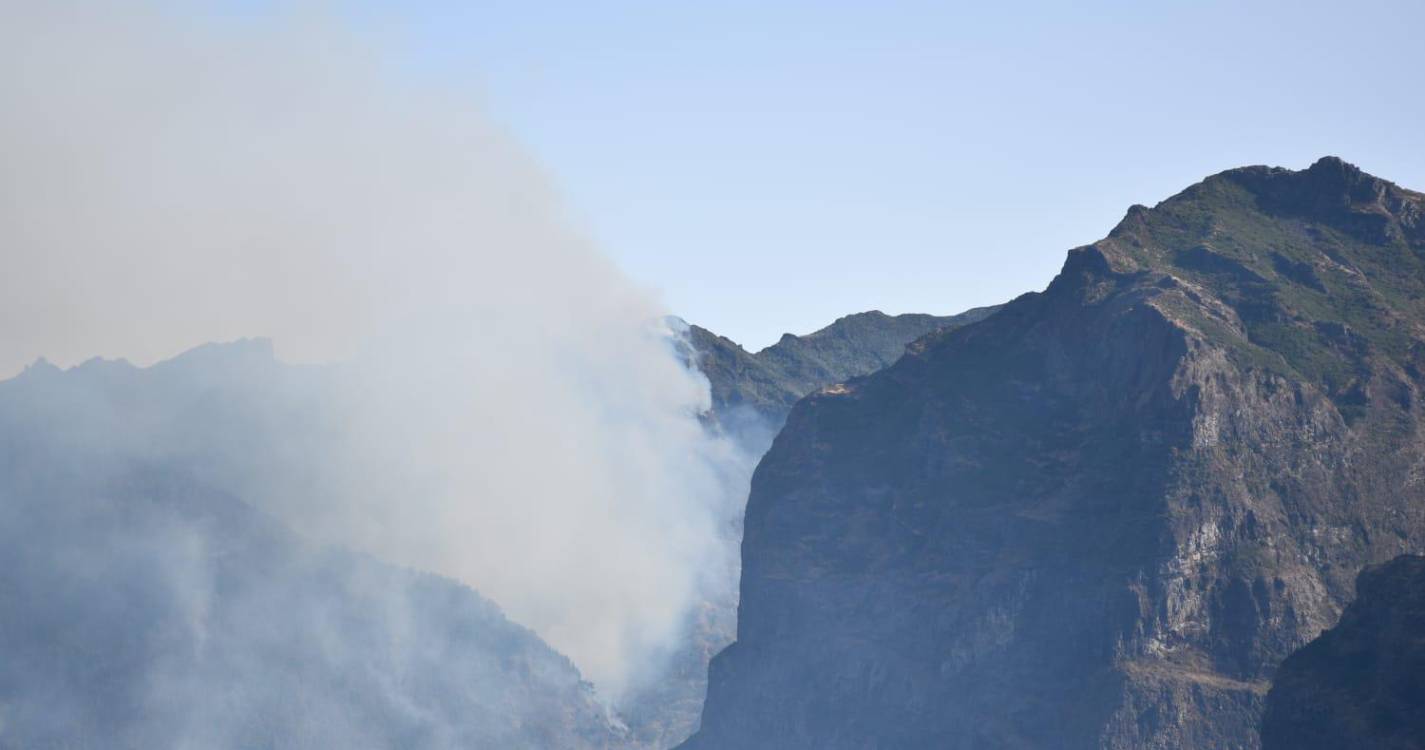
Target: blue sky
{"type": "Point", "coordinates": [770, 166]}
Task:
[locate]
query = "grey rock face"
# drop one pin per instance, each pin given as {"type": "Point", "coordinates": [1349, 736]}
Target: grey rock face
{"type": "Point", "coordinates": [751, 395]}
{"type": "Point", "coordinates": [1362, 683]}
{"type": "Point", "coordinates": [1102, 516]}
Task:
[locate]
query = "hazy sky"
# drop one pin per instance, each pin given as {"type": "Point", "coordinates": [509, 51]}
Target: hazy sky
{"type": "Point", "coordinates": [771, 166]}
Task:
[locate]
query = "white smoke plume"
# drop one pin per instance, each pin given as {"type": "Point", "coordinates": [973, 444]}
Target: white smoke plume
{"type": "Point", "coordinates": [512, 416]}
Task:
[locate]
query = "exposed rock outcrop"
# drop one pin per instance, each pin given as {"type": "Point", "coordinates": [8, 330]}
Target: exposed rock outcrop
{"type": "Point", "coordinates": [751, 395]}
{"type": "Point", "coordinates": [1102, 516]}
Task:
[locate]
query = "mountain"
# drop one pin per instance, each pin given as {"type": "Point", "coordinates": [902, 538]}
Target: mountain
{"type": "Point", "coordinates": [1362, 683]}
{"type": "Point", "coordinates": [751, 395]}
{"type": "Point", "coordinates": [1103, 515]}
{"type": "Point", "coordinates": [767, 383]}
{"type": "Point", "coordinates": [143, 603]}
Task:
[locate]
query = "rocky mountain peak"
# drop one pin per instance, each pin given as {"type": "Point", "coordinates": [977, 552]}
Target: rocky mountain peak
{"type": "Point", "coordinates": [1342, 196]}
{"type": "Point", "coordinates": [1102, 516]}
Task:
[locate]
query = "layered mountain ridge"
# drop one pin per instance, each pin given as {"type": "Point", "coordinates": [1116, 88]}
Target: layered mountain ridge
{"type": "Point", "coordinates": [1102, 516]}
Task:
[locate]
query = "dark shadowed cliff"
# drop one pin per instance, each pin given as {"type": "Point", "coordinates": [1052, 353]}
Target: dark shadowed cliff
{"type": "Point", "coordinates": [1361, 684]}
{"type": "Point", "coordinates": [1101, 517]}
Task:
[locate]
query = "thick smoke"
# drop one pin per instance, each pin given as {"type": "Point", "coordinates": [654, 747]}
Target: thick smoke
{"type": "Point", "coordinates": [512, 414]}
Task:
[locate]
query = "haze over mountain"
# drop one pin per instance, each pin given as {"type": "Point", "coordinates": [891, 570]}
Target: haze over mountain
{"type": "Point", "coordinates": [144, 603]}
{"type": "Point", "coordinates": [512, 415]}
{"type": "Point", "coordinates": [1098, 516]}
{"type": "Point", "coordinates": [151, 602]}
{"type": "Point", "coordinates": [472, 485]}
{"type": "Point", "coordinates": [1102, 516]}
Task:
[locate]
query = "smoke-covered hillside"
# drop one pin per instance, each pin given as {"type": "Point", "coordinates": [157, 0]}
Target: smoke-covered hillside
{"type": "Point", "coordinates": [151, 599]}
{"type": "Point", "coordinates": [145, 604]}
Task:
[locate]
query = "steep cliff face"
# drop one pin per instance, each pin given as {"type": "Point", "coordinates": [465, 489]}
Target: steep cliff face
{"type": "Point", "coordinates": [1362, 683]}
{"type": "Point", "coordinates": [751, 395]}
{"type": "Point", "coordinates": [1103, 515]}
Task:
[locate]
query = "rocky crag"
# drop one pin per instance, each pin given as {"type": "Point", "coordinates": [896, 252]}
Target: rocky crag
{"type": "Point", "coordinates": [1362, 683]}
{"type": "Point", "coordinates": [1102, 516]}
{"type": "Point", "coordinates": [751, 395]}
{"type": "Point", "coordinates": [757, 389]}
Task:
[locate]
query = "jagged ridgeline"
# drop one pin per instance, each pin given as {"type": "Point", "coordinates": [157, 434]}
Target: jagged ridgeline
{"type": "Point", "coordinates": [765, 384]}
{"type": "Point", "coordinates": [1104, 515]}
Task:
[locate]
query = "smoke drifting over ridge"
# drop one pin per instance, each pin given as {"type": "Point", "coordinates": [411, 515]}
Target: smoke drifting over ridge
{"type": "Point", "coordinates": [513, 417]}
